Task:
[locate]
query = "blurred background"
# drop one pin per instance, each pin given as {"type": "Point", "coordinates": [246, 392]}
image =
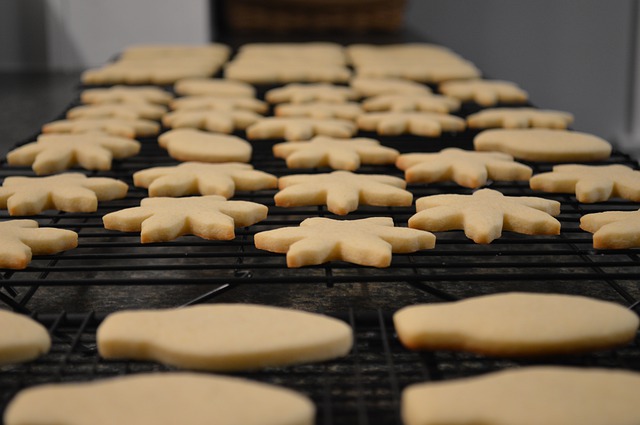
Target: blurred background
{"type": "Point", "coordinates": [581, 56]}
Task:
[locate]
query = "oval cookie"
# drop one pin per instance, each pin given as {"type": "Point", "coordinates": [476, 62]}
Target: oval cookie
{"type": "Point", "coordinates": [161, 398]}
{"type": "Point", "coordinates": [224, 337]}
{"type": "Point", "coordinates": [536, 144]}
{"type": "Point", "coordinates": [22, 338]}
{"type": "Point", "coordinates": [517, 324]}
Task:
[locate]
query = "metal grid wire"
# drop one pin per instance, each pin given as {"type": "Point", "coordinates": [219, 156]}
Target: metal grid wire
{"type": "Point", "coordinates": [362, 388]}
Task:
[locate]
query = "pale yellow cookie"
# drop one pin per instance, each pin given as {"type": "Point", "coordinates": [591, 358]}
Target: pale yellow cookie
{"type": "Point", "coordinates": [368, 242]}
{"type": "Point", "coordinates": [197, 178]}
{"type": "Point", "coordinates": [295, 128]}
{"type": "Point", "coordinates": [177, 51]}
{"type": "Point", "coordinates": [467, 168]}
{"type": "Point", "coordinates": [125, 94]}
{"type": "Point", "coordinates": [430, 124]}
{"type": "Point", "coordinates": [535, 395]}
{"type": "Point", "coordinates": [22, 339]}
{"type": "Point", "coordinates": [222, 121]}
{"type": "Point", "coordinates": [538, 144]}
{"type": "Point", "coordinates": [424, 102]}
{"type": "Point", "coordinates": [286, 70]}
{"type": "Point", "coordinates": [218, 87]}
{"type": "Point", "coordinates": [485, 214]}
{"type": "Point", "coordinates": [20, 239]}
{"type": "Point", "coordinates": [367, 87]}
{"type": "Point", "coordinates": [613, 229]}
{"type": "Point", "coordinates": [212, 102]}
{"type": "Point", "coordinates": [484, 92]}
{"type": "Point", "coordinates": [53, 153]}
{"type": "Point", "coordinates": [71, 192]}
{"type": "Point", "coordinates": [224, 337]}
{"type": "Point", "coordinates": [130, 128]}
{"type": "Point", "coordinates": [339, 154]}
{"type": "Point", "coordinates": [164, 219]}
{"type": "Point", "coordinates": [342, 191]}
{"type": "Point", "coordinates": [517, 324]}
{"type": "Point", "coordinates": [186, 144]}
{"type": "Point", "coordinates": [519, 118]}
{"type": "Point", "coordinates": [305, 93]}
{"type": "Point", "coordinates": [161, 398]}
{"type": "Point", "coordinates": [128, 111]}
{"type": "Point", "coordinates": [325, 52]}
{"type": "Point", "coordinates": [346, 111]}
{"type": "Point", "coordinates": [590, 183]}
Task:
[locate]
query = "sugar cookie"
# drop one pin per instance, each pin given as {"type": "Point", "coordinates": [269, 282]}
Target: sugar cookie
{"type": "Point", "coordinates": [186, 144]}
{"type": "Point", "coordinates": [519, 118]}
{"type": "Point", "coordinates": [368, 242]}
{"type": "Point", "coordinates": [214, 87]}
{"type": "Point", "coordinates": [20, 239]}
{"type": "Point", "coordinates": [294, 128]}
{"type": "Point", "coordinates": [367, 87]}
{"type": "Point", "coordinates": [212, 102]}
{"type": "Point", "coordinates": [22, 339]}
{"type": "Point", "coordinates": [613, 229]}
{"type": "Point", "coordinates": [125, 94]}
{"type": "Point", "coordinates": [429, 124]}
{"type": "Point", "coordinates": [128, 111]}
{"type": "Point", "coordinates": [484, 92]}
{"type": "Point", "coordinates": [411, 102]}
{"type": "Point", "coordinates": [305, 93]}
{"type": "Point", "coordinates": [346, 111]}
{"type": "Point", "coordinates": [113, 126]}
{"type": "Point", "coordinates": [222, 121]}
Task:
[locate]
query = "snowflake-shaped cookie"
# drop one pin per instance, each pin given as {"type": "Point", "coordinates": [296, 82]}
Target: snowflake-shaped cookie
{"type": "Point", "coordinates": [197, 178]}
{"type": "Point", "coordinates": [411, 102]}
{"type": "Point", "coordinates": [53, 153]}
{"type": "Point", "coordinates": [71, 192]}
{"type": "Point", "coordinates": [367, 87]}
{"type": "Point", "coordinates": [218, 87]}
{"type": "Point", "coordinates": [590, 183]}
{"type": "Point", "coordinates": [467, 168]}
{"type": "Point", "coordinates": [346, 111]}
{"type": "Point", "coordinates": [368, 242]}
{"type": "Point", "coordinates": [339, 154]}
{"type": "Point", "coordinates": [164, 219]}
{"type": "Point", "coordinates": [519, 118]}
{"type": "Point", "coordinates": [207, 102]}
{"type": "Point", "coordinates": [270, 71]}
{"type": "Point", "coordinates": [20, 239]}
{"type": "Point", "coordinates": [300, 128]}
{"type": "Point", "coordinates": [215, 121]}
{"type": "Point", "coordinates": [186, 144]}
{"type": "Point", "coordinates": [613, 229]}
{"type": "Point", "coordinates": [342, 191]}
{"type": "Point", "coordinates": [305, 93]}
{"type": "Point", "coordinates": [429, 124]}
{"type": "Point", "coordinates": [113, 126]}
{"type": "Point", "coordinates": [128, 111]}
{"type": "Point", "coordinates": [485, 214]}
{"type": "Point", "coordinates": [484, 92]}
{"type": "Point", "coordinates": [126, 94]}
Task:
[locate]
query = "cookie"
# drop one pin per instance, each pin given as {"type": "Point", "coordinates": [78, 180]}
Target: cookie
{"type": "Point", "coordinates": [324, 52]}
{"type": "Point", "coordinates": [339, 154]}
{"type": "Point", "coordinates": [124, 94]}
{"type": "Point", "coordinates": [305, 93]}
{"type": "Point", "coordinates": [428, 124]}
{"type": "Point", "coordinates": [294, 128]}
{"type": "Point", "coordinates": [214, 121]}
{"type": "Point", "coordinates": [128, 111]}
{"type": "Point", "coordinates": [20, 239]}
{"type": "Point", "coordinates": [22, 339]}
{"type": "Point", "coordinates": [537, 144]}
{"type": "Point", "coordinates": [467, 168]}
{"type": "Point", "coordinates": [485, 214]}
{"type": "Point", "coordinates": [53, 153]}
{"type": "Point", "coordinates": [218, 87]}
{"type": "Point", "coordinates": [197, 178]}
{"type": "Point", "coordinates": [550, 395]}
{"type": "Point", "coordinates": [346, 111]}
{"type": "Point", "coordinates": [368, 87]}
{"type": "Point", "coordinates": [519, 118]}
{"type": "Point", "coordinates": [112, 126]}
{"type": "Point", "coordinates": [164, 219]}
{"type": "Point", "coordinates": [424, 102]}
{"type": "Point", "coordinates": [70, 192]}
{"type": "Point", "coordinates": [157, 398]}
{"type": "Point", "coordinates": [212, 102]}
{"type": "Point", "coordinates": [484, 92]}
{"type": "Point", "coordinates": [224, 337]}
{"type": "Point", "coordinates": [186, 144]}
{"type": "Point", "coordinates": [517, 324]}
{"type": "Point", "coordinates": [613, 229]}
{"type": "Point", "coordinates": [342, 191]}
{"type": "Point", "coordinates": [286, 70]}
{"type": "Point", "coordinates": [590, 183]}
{"type": "Point", "coordinates": [215, 51]}
{"type": "Point", "coordinates": [368, 242]}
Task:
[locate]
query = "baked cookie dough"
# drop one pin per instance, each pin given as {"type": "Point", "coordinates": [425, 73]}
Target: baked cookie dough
{"type": "Point", "coordinates": [20, 239]}
{"type": "Point", "coordinates": [430, 124]}
{"type": "Point", "coordinates": [613, 229]}
{"type": "Point", "coordinates": [187, 144]}
{"type": "Point", "coordinates": [22, 339]}
{"type": "Point", "coordinates": [519, 118]}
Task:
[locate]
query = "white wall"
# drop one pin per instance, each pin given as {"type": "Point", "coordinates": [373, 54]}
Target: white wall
{"type": "Point", "coordinates": [574, 55]}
